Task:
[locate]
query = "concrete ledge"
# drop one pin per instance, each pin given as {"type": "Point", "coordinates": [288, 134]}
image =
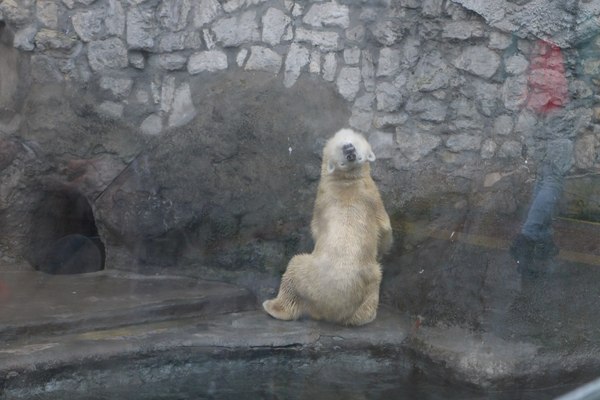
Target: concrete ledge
{"type": "Point", "coordinates": [35, 304]}
{"type": "Point", "coordinates": [119, 331]}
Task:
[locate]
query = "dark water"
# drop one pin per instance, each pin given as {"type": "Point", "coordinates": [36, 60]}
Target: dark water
{"type": "Point", "coordinates": [274, 375]}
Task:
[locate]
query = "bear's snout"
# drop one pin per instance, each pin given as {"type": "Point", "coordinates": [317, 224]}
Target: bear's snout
{"type": "Point", "coordinates": [349, 152]}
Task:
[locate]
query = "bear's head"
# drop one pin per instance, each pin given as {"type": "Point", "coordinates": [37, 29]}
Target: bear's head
{"type": "Point", "coordinates": [347, 151]}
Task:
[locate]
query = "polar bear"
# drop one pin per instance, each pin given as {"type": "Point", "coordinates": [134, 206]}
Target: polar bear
{"type": "Point", "coordinates": [339, 281]}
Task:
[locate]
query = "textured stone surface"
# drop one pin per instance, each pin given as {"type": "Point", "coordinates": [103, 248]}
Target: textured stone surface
{"type": "Point", "coordinates": [431, 72]}
{"type": "Point", "coordinates": [235, 31]}
{"type": "Point", "coordinates": [88, 24]}
{"type": "Point", "coordinates": [296, 59]}
{"type": "Point", "coordinates": [414, 146]}
{"type": "Point", "coordinates": [179, 207]}
{"type": "Point", "coordinates": [478, 60]}
{"type": "Point", "coordinates": [326, 41]}
{"type": "Point", "coordinates": [206, 11]}
{"type": "Point", "coordinates": [348, 82]}
{"type": "Point", "coordinates": [389, 62]}
{"type": "Point", "coordinates": [274, 24]}
{"type": "Point", "coordinates": [327, 14]}
{"type": "Point", "coordinates": [212, 60]}
{"type": "Point", "coordinates": [462, 142]}
{"type": "Point", "coordinates": [329, 67]}
{"type": "Point", "coordinates": [119, 88]}
{"type": "Point", "coordinates": [183, 107]}
{"type": "Point", "coordinates": [389, 97]}
{"type": "Point", "coordinates": [263, 59]}
{"type": "Point", "coordinates": [141, 27]}
{"type": "Point", "coordinates": [107, 54]}
{"type": "Point", "coordinates": [463, 84]}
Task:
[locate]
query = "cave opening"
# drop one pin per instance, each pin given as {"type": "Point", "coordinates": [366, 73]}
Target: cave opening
{"type": "Point", "coordinates": [64, 237]}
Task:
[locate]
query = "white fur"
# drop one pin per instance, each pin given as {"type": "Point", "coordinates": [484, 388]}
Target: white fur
{"type": "Point", "coordinates": [339, 281]}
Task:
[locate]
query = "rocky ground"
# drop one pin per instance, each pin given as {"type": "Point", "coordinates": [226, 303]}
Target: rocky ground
{"type": "Point", "coordinates": [119, 334]}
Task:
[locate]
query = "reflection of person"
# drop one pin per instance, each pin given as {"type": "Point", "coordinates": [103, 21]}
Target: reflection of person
{"type": "Point", "coordinates": [561, 119]}
{"type": "Point", "coordinates": [548, 98]}
{"type": "Point", "coordinates": [535, 240]}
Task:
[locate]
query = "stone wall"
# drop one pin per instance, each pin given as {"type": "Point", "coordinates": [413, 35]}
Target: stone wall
{"type": "Point", "coordinates": [182, 121]}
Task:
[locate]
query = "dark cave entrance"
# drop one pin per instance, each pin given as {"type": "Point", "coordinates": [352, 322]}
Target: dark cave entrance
{"type": "Point", "coordinates": [64, 238]}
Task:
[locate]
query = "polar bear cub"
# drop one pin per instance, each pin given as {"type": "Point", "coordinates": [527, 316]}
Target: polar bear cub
{"type": "Point", "coordinates": [339, 281]}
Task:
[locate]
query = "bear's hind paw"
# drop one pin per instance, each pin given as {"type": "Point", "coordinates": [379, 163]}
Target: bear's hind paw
{"type": "Point", "coordinates": [275, 310]}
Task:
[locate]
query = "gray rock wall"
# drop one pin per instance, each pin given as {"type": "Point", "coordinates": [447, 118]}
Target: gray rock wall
{"type": "Point", "coordinates": [194, 128]}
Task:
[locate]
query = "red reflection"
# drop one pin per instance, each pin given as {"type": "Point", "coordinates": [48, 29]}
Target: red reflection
{"type": "Point", "coordinates": [547, 80]}
{"type": "Point", "coordinates": [4, 292]}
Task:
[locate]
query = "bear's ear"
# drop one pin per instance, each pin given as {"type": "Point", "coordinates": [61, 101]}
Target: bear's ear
{"type": "Point", "coordinates": [371, 156]}
{"type": "Point", "coordinates": [330, 166]}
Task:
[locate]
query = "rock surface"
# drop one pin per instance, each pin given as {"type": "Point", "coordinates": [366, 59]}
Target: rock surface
{"type": "Point", "coordinates": [172, 331]}
{"type": "Point", "coordinates": [193, 132]}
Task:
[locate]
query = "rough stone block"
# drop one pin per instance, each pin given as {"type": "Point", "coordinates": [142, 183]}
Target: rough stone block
{"type": "Point", "coordinates": [263, 59]}
{"type": "Point", "coordinates": [173, 14]}
{"type": "Point", "coordinates": [107, 54]}
{"type": "Point", "coordinates": [586, 152]}
{"type": "Point", "coordinates": [499, 41]}
{"type": "Point", "coordinates": [488, 149]}
{"type": "Point", "coordinates": [416, 145]}
{"type": "Point", "coordinates": [141, 27]}
{"type": "Point", "coordinates": [88, 24]}
{"type": "Point", "coordinates": [389, 97]}
{"type": "Point", "coordinates": [383, 121]}
{"type": "Point", "coordinates": [234, 5]}
{"type": "Point", "coordinates": [206, 11]}
{"type": "Point", "coordinates": [432, 73]}
{"type": "Point", "coordinates": [296, 59]}
{"type": "Point", "coordinates": [361, 119]}
{"type": "Point", "coordinates": [428, 109]}
{"type": "Point", "coordinates": [275, 22]}
{"type": "Point", "coordinates": [114, 18]}
{"type": "Point", "coordinates": [234, 31]}
{"type": "Point", "coordinates": [510, 149]}
{"type": "Point", "coordinates": [315, 62]}
{"type": "Point", "coordinates": [503, 125]}
{"type": "Point", "coordinates": [432, 8]}
{"type": "Point", "coordinates": [478, 60]}
{"type": "Point", "coordinates": [137, 60]}
{"type": "Point", "coordinates": [172, 62]}
{"type": "Point", "coordinates": [328, 14]}
{"type": "Point", "coordinates": [368, 71]}
{"type": "Point", "coordinates": [211, 60]}
{"type": "Point", "coordinates": [463, 30]}
{"type": "Point", "coordinates": [387, 32]}
{"type": "Point", "coordinates": [348, 82]}
{"type": "Point", "coordinates": [167, 93]}
{"type": "Point", "coordinates": [14, 12]}
{"type": "Point", "coordinates": [111, 109]}
{"type": "Point", "coordinates": [326, 41]}
{"type": "Point", "coordinates": [152, 125]}
{"type": "Point", "coordinates": [240, 59]}
{"type": "Point", "coordinates": [389, 62]}
{"type": "Point", "coordinates": [119, 88]}
{"type": "Point", "coordinates": [183, 110]}
{"type": "Point", "coordinates": [463, 142]}
{"type": "Point", "coordinates": [383, 144]}
{"type": "Point", "coordinates": [47, 13]}
{"type": "Point", "coordinates": [514, 92]}
{"type": "Point", "coordinates": [47, 39]}
{"type": "Point", "coordinates": [24, 38]}
{"type": "Point", "coordinates": [172, 41]}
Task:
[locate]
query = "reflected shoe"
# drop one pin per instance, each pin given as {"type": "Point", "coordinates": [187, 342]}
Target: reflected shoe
{"type": "Point", "coordinates": [522, 251]}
